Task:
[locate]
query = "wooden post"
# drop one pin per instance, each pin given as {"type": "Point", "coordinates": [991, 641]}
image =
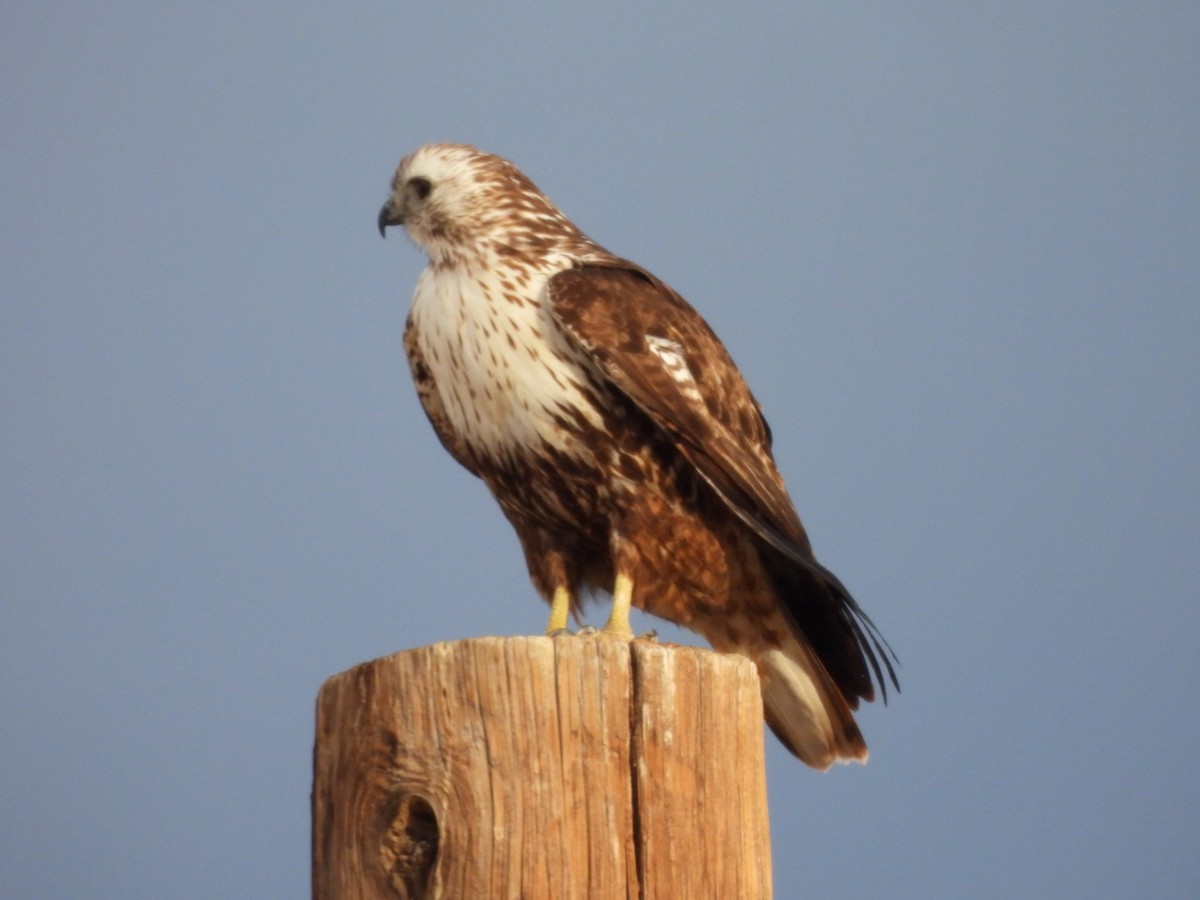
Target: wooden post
{"type": "Point", "coordinates": [532, 767]}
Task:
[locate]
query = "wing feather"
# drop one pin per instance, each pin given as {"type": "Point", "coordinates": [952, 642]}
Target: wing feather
{"type": "Point", "coordinates": [630, 323]}
{"type": "Point", "coordinates": [656, 349]}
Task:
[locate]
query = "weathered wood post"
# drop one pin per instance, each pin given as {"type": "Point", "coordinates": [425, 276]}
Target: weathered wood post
{"type": "Point", "coordinates": [532, 767]}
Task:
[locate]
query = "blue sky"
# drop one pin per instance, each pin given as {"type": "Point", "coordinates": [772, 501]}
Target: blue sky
{"type": "Point", "coordinates": [955, 250]}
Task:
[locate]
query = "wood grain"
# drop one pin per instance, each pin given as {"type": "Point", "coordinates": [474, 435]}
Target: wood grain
{"type": "Point", "coordinates": [575, 767]}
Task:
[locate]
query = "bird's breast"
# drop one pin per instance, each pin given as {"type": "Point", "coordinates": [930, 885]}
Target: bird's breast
{"type": "Point", "coordinates": [509, 380]}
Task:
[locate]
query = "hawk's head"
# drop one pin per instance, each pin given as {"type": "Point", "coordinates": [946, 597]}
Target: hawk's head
{"type": "Point", "coordinates": [455, 201]}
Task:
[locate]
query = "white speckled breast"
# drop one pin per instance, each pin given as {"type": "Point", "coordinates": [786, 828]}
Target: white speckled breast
{"type": "Point", "coordinates": [504, 370]}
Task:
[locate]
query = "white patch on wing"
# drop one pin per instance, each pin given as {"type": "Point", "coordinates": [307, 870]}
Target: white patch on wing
{"type": "Point", "coordinates": [672, 356]}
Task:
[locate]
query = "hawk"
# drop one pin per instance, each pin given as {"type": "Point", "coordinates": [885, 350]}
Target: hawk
{"type": "Point", "coordinates": [621, 442]}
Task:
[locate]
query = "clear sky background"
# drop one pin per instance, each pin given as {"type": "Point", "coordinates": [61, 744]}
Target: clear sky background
{"type": "Point", "coordinates": [954, 248]}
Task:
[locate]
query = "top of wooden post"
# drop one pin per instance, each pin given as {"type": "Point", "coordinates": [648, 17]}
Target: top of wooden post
{"type": "Point", "coordinates": [542, 767]}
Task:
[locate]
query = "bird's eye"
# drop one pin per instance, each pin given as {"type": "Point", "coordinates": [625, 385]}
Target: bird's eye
{"type": "Point", "coordinates": [421, 187]}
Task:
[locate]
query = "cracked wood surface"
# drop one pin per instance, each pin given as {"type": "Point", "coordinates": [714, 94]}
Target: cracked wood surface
{"type": "Point", "coordinates": [534, 767]}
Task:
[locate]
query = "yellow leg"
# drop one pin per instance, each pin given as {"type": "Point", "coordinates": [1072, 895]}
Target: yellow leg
{"type": "Point", "coordinates": [618, 620]}
{"type": "Point", "coordinates": [560, 609]}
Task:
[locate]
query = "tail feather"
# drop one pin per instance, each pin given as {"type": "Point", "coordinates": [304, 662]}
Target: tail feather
{"type": "Point", "coordinates": [805, 709]}
{"type": "Point", "coordinates": [826, 618]}
{"type": "Point", "coordinates": [813, 680]}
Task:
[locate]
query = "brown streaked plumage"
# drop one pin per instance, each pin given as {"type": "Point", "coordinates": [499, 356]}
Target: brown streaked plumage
{"type": "Point", "coordinates": [621, 441]}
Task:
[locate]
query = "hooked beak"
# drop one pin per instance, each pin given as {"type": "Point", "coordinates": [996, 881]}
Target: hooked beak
{"type": "Point", "coordinates": [387, 217]}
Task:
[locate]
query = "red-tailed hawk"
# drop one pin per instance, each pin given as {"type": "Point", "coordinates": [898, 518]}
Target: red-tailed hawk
{"type": "Point", "coordinates": [621, 442]}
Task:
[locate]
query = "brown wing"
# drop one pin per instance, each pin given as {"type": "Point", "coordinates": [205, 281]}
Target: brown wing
{"type": "Point", "coordinates": [658, 351]}
{"type": "Point", "coordinates": [661, 354]}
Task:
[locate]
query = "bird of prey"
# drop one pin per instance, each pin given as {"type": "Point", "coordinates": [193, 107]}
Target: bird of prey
{"type": "Point", "coordinates": [621, 442]}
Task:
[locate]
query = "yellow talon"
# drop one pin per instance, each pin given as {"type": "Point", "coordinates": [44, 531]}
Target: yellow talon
{"type": "Point", "coordinates": [618, 620]}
